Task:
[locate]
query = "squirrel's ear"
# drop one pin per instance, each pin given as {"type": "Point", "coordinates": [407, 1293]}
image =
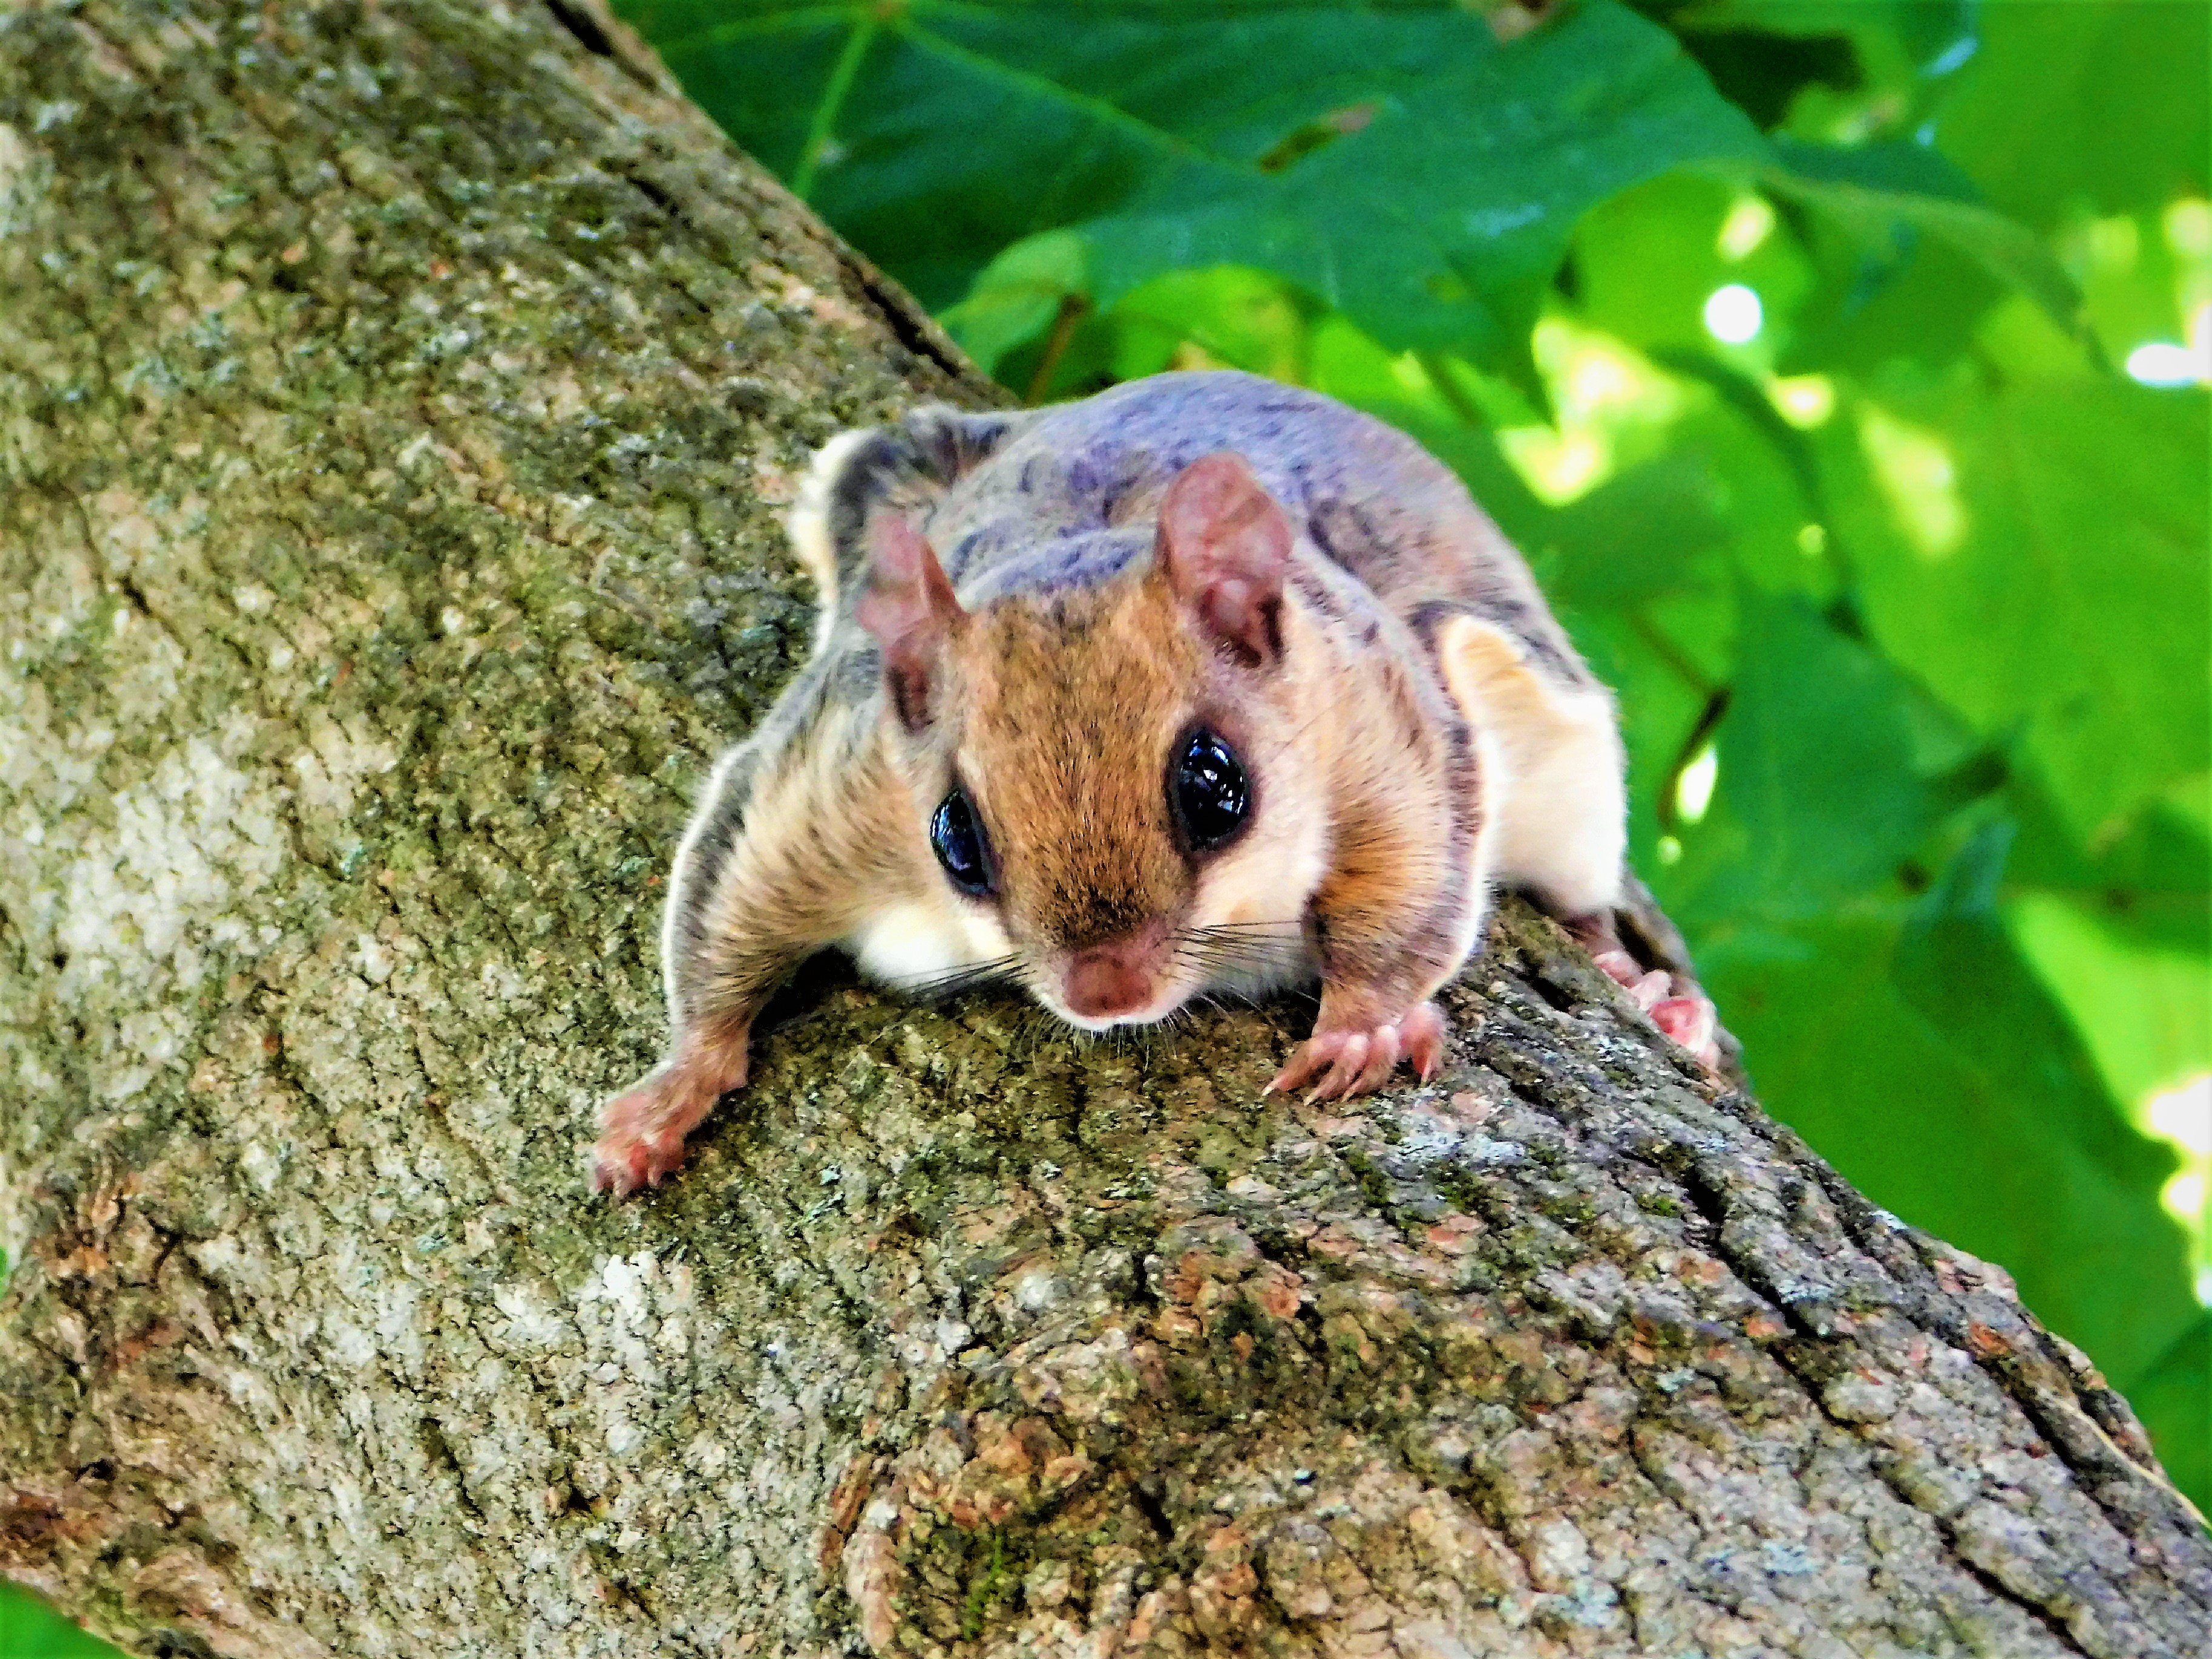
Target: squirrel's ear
{"type": "Point", "coordinates": [910, 609]}
{"type": "Point", "coordinates": [1224, 543]}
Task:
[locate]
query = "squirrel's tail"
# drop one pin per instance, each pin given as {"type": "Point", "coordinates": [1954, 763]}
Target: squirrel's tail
{"type": "Point", "coordinates": [808, 524]}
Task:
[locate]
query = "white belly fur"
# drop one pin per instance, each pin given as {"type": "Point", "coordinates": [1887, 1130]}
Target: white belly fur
{"type": "Point", "coordinates": [910, 944]}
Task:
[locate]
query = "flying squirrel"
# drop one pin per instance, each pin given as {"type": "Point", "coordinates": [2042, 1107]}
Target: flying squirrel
{"type": "Point", "coordinates": [1202, 684]}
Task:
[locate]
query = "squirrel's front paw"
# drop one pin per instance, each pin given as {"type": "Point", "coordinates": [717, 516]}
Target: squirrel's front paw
{"type": "Point", "coordinates": [641, 1134]}
{"type": "Point", "coordinates": [1358, 1058]}
{"type": "Point", "coordinates": [642, 1130]}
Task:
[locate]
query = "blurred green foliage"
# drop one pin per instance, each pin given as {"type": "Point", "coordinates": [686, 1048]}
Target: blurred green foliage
{"type": "Point", "coordinates": [1792, 341]}
{"type": "Point", "coordinates": [29, 1629]}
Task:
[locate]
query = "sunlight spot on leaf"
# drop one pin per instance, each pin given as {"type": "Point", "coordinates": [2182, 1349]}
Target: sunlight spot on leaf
{"type": "Point", "coordinates": [2183, 1115]}
{"type": "Point", "coordinates": [1804, 400]}
{"type": "Point", "coordinates": [1813, 540]}
{"type": "Point", "coordinates": [2114, 244]}
{"type": "Point", "coordinates": [1598, 379]}
{"type": "Point", "coordinates": [1748, 224]}
{"type": "Point", "coordinates": [1693, 790]}
{"type": "Point", "coordinates": [2189, 226]}
{"type": "Point", "coordinates": [1407, 372]}
{"type": "Point", "coordinates": [1559, 466]}
{"type": "Point", "coordinates": [2183, 1197]}
{"type": "Point", "coordinates": [1734, 315]}
{"type": "Point", "coordinates": [1594, 377]}
{"type": "Point", "coordinates": [1670, 850]}
{"type": "Point", "coordinates": [1913, 467]}
{"type": "Point", "coordinates": [1603, 389]}
{"type": "Point", "coordinates": [2163, 362]}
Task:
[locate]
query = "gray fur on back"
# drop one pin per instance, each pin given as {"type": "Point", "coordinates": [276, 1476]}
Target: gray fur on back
{"type": "Point", "coordinates": [1068, 498]}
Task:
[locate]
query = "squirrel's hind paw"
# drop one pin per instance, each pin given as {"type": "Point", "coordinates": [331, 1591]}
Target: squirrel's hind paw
{"type": "Point", "coordinates": [1677, 1004]}
{"type": "Point", "coordinates": [1690, 1019]}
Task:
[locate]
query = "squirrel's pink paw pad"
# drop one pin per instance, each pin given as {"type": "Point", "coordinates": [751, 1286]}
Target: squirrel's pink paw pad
{"type": "Point", "coordinates": [1357, 1062]}
{"type": "Point", "coordinates": [1676, 1004]}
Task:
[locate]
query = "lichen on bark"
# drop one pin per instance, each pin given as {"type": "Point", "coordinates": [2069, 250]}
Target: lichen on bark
{"type": "Point", "coordinates": [395, 405]}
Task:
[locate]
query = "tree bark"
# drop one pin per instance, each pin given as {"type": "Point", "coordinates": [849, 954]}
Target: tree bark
{"type": "Point", "coordinates": [395, 403]}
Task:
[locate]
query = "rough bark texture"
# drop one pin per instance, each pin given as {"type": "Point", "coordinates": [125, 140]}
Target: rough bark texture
{"type": "Point", "coordinates": [394, 402]}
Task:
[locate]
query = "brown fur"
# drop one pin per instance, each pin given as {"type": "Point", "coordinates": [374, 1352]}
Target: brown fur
{"type": "Point", "coordinates": [1064, 713]}
{"type": "Point", "coordinates": [1069, 719]}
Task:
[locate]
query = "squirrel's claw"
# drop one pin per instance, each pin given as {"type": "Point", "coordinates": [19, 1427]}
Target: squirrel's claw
{"type": "Point", "coordinates": [1359, 1060]}
{"type": "Point", "coordinates": [621, 1164]}
{"type": "Point", "coordinates": [642, 1135]}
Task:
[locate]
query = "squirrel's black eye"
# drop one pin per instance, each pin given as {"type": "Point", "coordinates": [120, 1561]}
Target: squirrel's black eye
{"type": "Point", "coordinates": [1208, 787]}
{"type": "Point", "coordinates": [957, 840]}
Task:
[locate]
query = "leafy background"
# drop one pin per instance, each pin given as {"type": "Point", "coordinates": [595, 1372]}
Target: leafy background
{"type": "Point", "coordinates": [1839, 364]}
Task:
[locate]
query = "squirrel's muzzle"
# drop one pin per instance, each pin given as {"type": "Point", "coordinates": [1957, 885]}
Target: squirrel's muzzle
{"type": "Point", "coordinates": [1118, 976]}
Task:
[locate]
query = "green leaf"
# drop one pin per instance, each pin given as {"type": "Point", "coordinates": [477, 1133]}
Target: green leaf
{"type": "Point", "coordinates": [1440, 219]}
{"type": "Point", "coordinates": [1398, 163]}
{"type": "Point", "coordinates": [1926, 1062]}
{"type": "Point", "coordinates": [1019, 295]}
{"type": "Point", "coordinates": [1881, 195]}
{"type": "Point", "coordinates": [2036, 557]}
{"type": "Point", "coordinates": [1820, 65]}
{"type": "Point", "coordinates": [1645, 264]}
{"type": "Point", "coordinates": [1637, 537]}
{"type": "Point", "coordinates": [2141, 1007]}
{"type": "Point", "coordinates": [2083, 104]}
{"type": "Point", "coordinates": [1763, 472]}
{"type": "Point", "coordinates": [1890, 167]}
{"type": "Point", "coordinates": [1817, 799]}
{"type": "Point", "coordinates": [2148, 884]}
{"type": "Point", "coordinates": [1240, 319]}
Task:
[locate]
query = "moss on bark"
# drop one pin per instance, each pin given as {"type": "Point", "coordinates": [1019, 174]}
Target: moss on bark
{"type": "Point", "coordinates": [395, 403]}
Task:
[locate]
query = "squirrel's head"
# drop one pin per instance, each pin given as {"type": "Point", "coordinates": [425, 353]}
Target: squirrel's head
{"type": "Point", "coordinates": [1109, 774]}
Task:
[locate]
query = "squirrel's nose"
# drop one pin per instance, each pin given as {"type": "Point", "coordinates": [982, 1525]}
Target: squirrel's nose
{"type": "Point", "coordinates": [1117, 977]}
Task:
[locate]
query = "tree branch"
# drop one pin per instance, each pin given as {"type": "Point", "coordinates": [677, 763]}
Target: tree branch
{"type": "Point", "coordinates": [395, 406]}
